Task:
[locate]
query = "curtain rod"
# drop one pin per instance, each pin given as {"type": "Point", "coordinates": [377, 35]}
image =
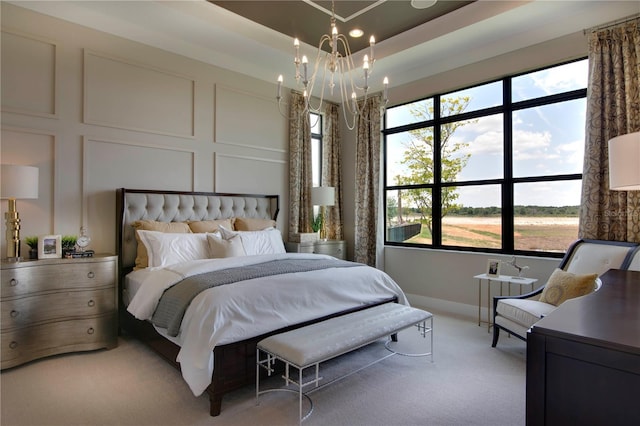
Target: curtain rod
{"type": "Point", "coordinates": [611, 24]}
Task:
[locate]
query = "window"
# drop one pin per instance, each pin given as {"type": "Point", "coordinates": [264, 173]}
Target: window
{"type": "Point", "coordinates": [316, 148]}
{"type": "Point", "coordinates": [495, 167]}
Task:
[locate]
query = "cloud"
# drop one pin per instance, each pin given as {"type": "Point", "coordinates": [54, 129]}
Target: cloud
{"type": "Point", "coordinates": [561, 79]}
{"type": "Point", "coordinates": [533, 146]}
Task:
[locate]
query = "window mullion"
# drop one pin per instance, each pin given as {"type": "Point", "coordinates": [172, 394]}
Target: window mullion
{"type": "Point", "coordinates": [507, 185]}
{"type": "Point", "coordinates": [436, 194]}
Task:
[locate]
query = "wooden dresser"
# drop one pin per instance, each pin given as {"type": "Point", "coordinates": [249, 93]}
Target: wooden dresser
{"type": "Point", "coordinates": [53, 306]}
{"type": "Point", "coordinates": [583, 359]}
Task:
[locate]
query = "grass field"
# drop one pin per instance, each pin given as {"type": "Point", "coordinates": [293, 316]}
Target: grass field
{"type": "Point", "coordinates": [531, 233]}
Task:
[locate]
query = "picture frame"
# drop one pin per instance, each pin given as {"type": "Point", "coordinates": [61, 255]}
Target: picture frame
{"type": "Point", "coordinates": [50, 247]}
{"type": "Point", "coordinates": [493, 268]}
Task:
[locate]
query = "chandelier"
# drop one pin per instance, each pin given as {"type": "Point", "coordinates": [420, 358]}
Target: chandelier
{"type": "Point", "coordinates": [337, 69]}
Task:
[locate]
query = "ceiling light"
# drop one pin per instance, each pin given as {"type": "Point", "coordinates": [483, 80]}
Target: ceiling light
{"type": "Point", "coordinates": [341, 72]}
{"type": "Point", "coordinates": [356, 32]}
{"type": "Point", "coordinates": [422, 4]}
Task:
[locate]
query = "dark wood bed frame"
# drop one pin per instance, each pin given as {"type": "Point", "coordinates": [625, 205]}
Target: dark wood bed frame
{"type": "Point", "coordinates": [234, 363]}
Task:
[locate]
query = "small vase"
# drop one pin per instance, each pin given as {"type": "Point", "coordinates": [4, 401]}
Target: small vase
{"type": "Point", "coordinates": [33, 254]}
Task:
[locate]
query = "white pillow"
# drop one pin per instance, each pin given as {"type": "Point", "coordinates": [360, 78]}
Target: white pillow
{"type": "Point", "coordinates": [267, 241]}
{"type": "Point", "coordinates": [169, 248]}
{"type": "Point", "coordinates": [221, 248]}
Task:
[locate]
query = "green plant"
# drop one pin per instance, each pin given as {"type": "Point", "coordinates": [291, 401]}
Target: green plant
{"type": "Point", "coordinates": [32, 242]}
{"type": "Point", "coordinates": [316, 223]}
{"type": "Point", "coordinates": [69, 241]}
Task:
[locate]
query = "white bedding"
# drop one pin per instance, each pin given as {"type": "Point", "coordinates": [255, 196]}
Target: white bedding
{"type": "Point", "coordinates": [234, 312]}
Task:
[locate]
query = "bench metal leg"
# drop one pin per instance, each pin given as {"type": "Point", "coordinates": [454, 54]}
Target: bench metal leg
{"type": "Point", "coordinates": [423, 329]}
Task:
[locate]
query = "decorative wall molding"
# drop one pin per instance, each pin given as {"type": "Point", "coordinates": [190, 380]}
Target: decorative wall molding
{"type": "Point", "coordinates": [251, 158]}
{"type": "Point", "coordinates": [258, 148]}
{"type": "Point", "coordinates": [164, 101]}
{"type": "Point", "coordinates": [110, 164]}
{"type": "Point", "coordinates": [240, 116]}
{"type": "Point", "coordinates": [34, 92]}
{"type": "Point", "coordinates": [48, 178]}
{"type": "Point", "coordinates": [239, 174]}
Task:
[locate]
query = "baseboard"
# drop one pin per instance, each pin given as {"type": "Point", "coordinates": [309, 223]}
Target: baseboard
{"type": "Point", "coordinates": [446, 306]}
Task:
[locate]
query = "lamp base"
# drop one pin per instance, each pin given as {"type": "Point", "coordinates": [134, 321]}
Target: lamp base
{"type": "Point", "coordinates": [13, 231]}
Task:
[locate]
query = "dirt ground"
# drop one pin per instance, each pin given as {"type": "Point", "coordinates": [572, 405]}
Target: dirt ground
{"type": "Point", "coordinates": [531, 233]}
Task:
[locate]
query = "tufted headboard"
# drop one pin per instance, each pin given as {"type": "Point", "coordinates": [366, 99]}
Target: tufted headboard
{"type": "Point", "coordinates": [176, 206]}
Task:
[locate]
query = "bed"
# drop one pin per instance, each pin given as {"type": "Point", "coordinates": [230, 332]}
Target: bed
{"type": "Point", "coordinates": [227, 361]}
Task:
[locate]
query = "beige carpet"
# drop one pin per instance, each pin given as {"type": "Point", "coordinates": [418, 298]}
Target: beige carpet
{"type": "Point", "coordinates": [469, 383]}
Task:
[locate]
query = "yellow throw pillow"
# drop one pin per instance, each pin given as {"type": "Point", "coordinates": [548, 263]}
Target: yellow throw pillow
{"type": "Point", "coordinates": [250, 224]}
{"type": "Point", "coordinates": [564, 285]}
{"type": "Point", "coordinates": [208, 225]}
{"type": "Point", "coordinates": [142, 258]}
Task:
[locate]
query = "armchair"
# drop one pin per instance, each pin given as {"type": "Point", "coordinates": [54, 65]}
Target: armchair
{"type": "Point", "coordinates": [633, 263]}
{"type": "Point", "coordinates": [516, 314]}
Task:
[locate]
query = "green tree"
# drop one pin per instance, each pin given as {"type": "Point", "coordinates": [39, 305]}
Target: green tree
{"type": "Point", "coordinates": [392, 209]}
{"type": "Point", "coordinates": [418, 158]}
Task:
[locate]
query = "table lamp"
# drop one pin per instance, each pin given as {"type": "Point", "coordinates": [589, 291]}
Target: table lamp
{"type": "Point", "coordinates": [624, 162]}
{"type": "Point", "coordinates": [18, 182]}
{"type": "Point", "coordinates": [323, 196]}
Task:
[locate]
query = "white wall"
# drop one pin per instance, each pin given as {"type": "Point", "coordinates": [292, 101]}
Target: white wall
{"type": "Point", "coordinates": [96, 112]}
{"type": "Point", "coordinates": [443, 280]}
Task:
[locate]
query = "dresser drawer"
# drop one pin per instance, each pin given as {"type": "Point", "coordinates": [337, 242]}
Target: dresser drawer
{"type": "Point", "coordinates": [332, 249]}
{"type": "Point", "coordinates": [28, 310]}
{"type": "Point", "coordinates": [40, 278]}
{"type": "Point", "coordinates": [299, 247]}
{"type": "Point", "coordinates": [25, 344]}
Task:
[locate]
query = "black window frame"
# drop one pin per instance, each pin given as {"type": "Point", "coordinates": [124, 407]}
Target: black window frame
{"type": "Point", "coordinates": [506, 183]}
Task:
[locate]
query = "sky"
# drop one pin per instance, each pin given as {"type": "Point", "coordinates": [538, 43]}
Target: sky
{"type": "Point", "coordinates": [548, 140]}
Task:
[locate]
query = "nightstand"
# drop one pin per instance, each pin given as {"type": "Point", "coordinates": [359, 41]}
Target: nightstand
{"type": "Point", "coordinates": [501, 279]}
{"type": "Point", "coordinates": [53, 306]}
{"type": "Point", "coordinates": [335, 248]}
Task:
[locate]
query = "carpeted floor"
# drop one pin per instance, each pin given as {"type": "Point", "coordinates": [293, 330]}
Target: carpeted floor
{"type": "Point", "coordinates": [469, 383]}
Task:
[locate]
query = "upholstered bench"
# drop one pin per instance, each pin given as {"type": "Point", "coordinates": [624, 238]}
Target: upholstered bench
{"type": "Point", "coordinates": [309, 346]}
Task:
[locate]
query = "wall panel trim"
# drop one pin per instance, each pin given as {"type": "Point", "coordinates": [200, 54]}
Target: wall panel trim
{"type": "Point", "coordinates": [86, 113]}
{"type": "Point", "coordinates": [55, 77]}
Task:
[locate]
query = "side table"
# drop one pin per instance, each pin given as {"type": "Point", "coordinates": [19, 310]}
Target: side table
{"type": "Point", "coordinates": [501, 279]}
{"type": "Point", "coordinates": [335, 248]}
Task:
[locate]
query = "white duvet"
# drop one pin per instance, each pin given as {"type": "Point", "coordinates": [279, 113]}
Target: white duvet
{"type": "Point", "coordinates": [238, 311]}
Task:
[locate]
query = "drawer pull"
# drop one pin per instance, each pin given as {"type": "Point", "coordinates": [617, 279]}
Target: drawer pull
{"type": "Point", "coordinates": [91, 274]}
{"type": "Point", "coordinates": [13, 282]}
{"type": "Point", "coordinates": [90, 330]}
{"type": "Point", "coordinates": [13, 344]}
{"type": "Point", "coordinates": [14, 313]}
{"type": "Point", "coordinates": [91, 303]}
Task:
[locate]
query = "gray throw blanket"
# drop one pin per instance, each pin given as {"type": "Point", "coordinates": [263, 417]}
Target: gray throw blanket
{"type": "Point", "coordinates": [175, 300]}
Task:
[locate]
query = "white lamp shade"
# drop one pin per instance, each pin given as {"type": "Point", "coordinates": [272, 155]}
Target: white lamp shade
{"type": "Point", "coordinates": [624, 162]}
{"type": "Point", "coordinates": [323, 196]}
{"type": "Point", "coordinates": [19, 182]}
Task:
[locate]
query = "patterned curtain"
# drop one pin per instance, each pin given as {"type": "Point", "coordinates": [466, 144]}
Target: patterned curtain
{"type": "Point", "coordinates": [367, 181]}
{"type": "Point", "coordinates": [332, 169]}
{"type": "Point", "coordinates": [300, 178]}
{"type": "Point", "coordinates": [613, 109]}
